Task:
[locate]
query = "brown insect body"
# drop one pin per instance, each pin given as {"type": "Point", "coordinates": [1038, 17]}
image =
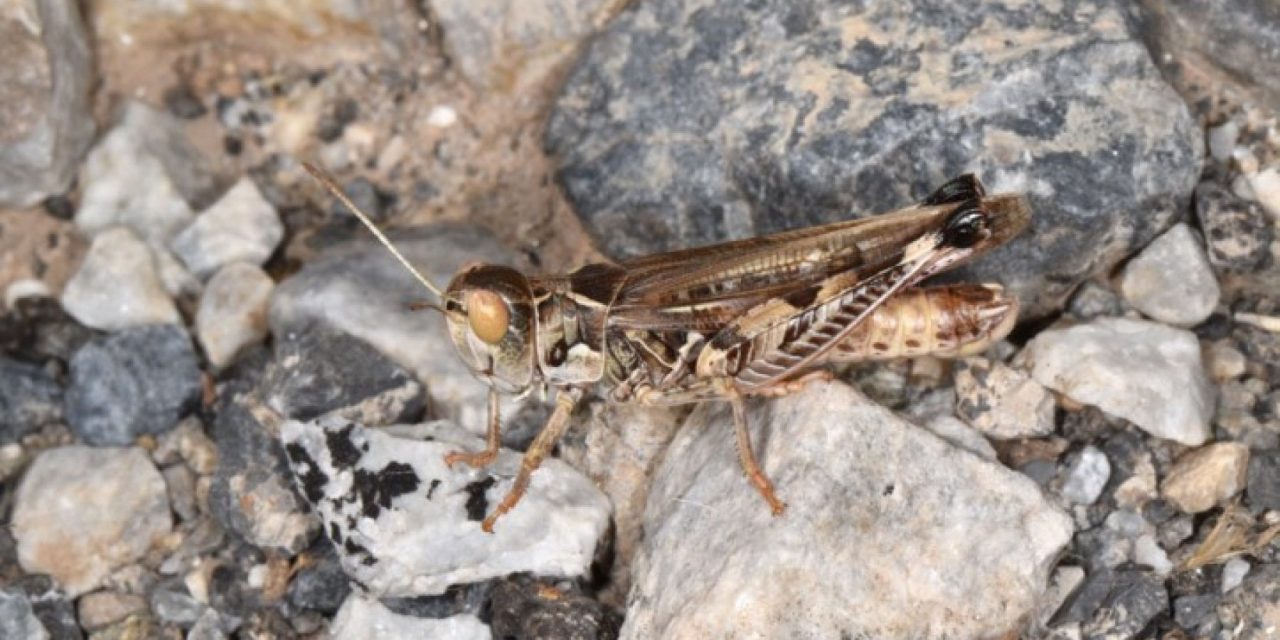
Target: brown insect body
{"type": "Point", "coordinates": [740, 318]}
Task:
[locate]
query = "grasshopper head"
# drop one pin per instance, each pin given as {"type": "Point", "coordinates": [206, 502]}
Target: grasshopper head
{"type": "Point", "coordinates": [489, 310]}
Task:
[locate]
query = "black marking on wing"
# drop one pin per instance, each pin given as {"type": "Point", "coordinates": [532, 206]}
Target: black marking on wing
{"type": "Point", "coordinates": [959, 189]}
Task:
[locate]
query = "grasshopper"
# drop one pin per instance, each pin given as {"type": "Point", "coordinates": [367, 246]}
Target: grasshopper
{"type": "Point", "coordinates": [754, 317]}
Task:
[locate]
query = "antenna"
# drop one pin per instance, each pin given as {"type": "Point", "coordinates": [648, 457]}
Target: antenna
{"type": "Point", "coordinates": [332, 187]}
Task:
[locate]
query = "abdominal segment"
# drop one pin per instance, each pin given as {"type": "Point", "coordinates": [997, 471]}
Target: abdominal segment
{"type": "Point", "coordinates": [947, 321]}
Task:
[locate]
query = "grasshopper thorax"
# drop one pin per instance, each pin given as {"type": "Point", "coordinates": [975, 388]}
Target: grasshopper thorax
{"type": "Point", "coordinates": [489, 310]}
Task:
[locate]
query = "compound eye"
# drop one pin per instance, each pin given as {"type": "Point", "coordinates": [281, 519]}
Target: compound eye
{"type": "Point", "coordinates": [487, 316]}
{"type": "Point", "coordinates": [965, 228]}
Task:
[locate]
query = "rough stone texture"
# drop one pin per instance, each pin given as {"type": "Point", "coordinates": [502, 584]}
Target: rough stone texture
{"type": "Point", "coordinates": [233, 312]}
{"type": "Point", "coordinates": [102, 609]}
{"type": "Point", "coordinates": [888, 532]}
{"type": "Point", "coordinates": [363, 291]}
{"type": "Point", "coordinates": [1206, 477]}
{"type": "Point", "coordinates": [506, 45]}
{"type": "Point", "coordinates": [320, 586]}
{"type": "Point", "coordinates": [1237, 231]}
{"type": "Point", "coordinates": [318, 370]}
{"type": "Point", "coordinates": [1171, 280]}
{"type": "Point", "coordinates": [690, 121]}
{"type": "Point", "coordinates": [50, 605]}
{"type": "Point", "coordinates": [1263, 489]}
{"type": "Point", "coordinates": [252, 493]}
{"type": "Point", "coordinates": [1253, 610]}
{"type": "Point", "coordinates": [117, 285]}
{"type": "Point", "coordinates": [362, 618]}
{"type": "Point", "coordinates": [1115, 604]}
{"type": "Point", "coordinates": [80, 512]}
{"type": "Point", "coordinates": [29, 399]}
{"type": "Point", "coordinates": [18, 619]}
{"type": "Point", "coordinates": [1086, 476]}
{"type": "Point", "coordinates": [1141, 371]}
{"type": "Point", "coordinates": [240, 227]}
{"type": "Point", "coordinates": [406, 525]}
{"type": "Point", "coordinates": [134, 382]}
{"type": "Point", "coordinates": [523, 607]}
{"type": "Point", "coordinates": [46, 86]}
{"type": "Point", "coordinates": [1002, 402]}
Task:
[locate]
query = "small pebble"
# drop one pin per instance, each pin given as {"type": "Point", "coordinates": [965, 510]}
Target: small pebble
{"type": "Point", "coordinates": [17, 617]}
{"type": "Point", "coordinates": [1222, 140]}
{"type": "Point", "coordinates": [1266, 188]}
{"type": "Point", "coordinates": [1002, 402]}
{"type": "Point", "coordinates": [1233, 573]}
{"type": "Point", "coordinates": [117, 285]}
{"type": "Point", "coordinates": [1147, 552]}
{"type": "Point", "coordinates": [102, 609]}
{"type": "Point", "coordinates": [240, 227]}
{"type": "Point", "coordinates": [1171, 280]}
{"type": "Point", "coordinates": [233, 311]}
{"type": "Point", "coordinates": [1087, 476]}
{"type": "Point", "coordinates": [29, 399]}
{"type": "Point", "coordinates": [1237, 231]}
{"type": "Point", "coordinates": [1206, 477]}
{"type": "Point", "coordinates": [364, 618]}
{"type": "Point", "coordinates": [1224, 362]}
{"type": "Point", "coordinates": [1263, 490]}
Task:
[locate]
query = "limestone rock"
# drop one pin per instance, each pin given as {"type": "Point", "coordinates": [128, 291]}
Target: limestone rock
{"type": "Point", "coordinates": [233, 311]}
{"type": "Point", "coordinates": [1002, 402]}
{"type": "Point", "coordinates": [240, 227]}
{"type": "Point", "coordinates": [117, 285]}
{"type": "Point", "coordinates": [1171, 280]}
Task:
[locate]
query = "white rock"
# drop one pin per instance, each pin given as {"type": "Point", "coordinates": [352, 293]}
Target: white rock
{"type": "Point", "coordinates": [1147, 551]}
{"type": "Point", "coordinates": [1002, 402]}
{"type": "Point", "coordinates": [1141, 371]}
{"type": "Point", "coordinates": [1171, 279]}
{"type": "Point", "coordinates": [117, 286]}
{"type": "Point", "coordinates": [406, 525]}
{"type": "Point", "coordinates": [233, 311]}
{"type": "Point", "coordinates": [1233, 573]}
{"type": "Point", "coordinates": [960, 434]}
{"type": "Point", "coordinates": [362, 618]}
{"type": "Point", "coordinates": [889, 531]}
{"type": "Point", "coordinates": [1087, 476]}
{"type": "Point", "coordinates": [240, 227]}
{"type": "Point", "coordinates": [18, 618]}
{"type": "Point", "coordinates": [83, 511]}
{"type": "Point", "coordinates": [126, 182]}
{"type": "Point", "coordinates": [1202, 479]}
{"type": "Point", "coordinates": [1222, 140]}
{"type": "Point", "coordinates": [1266, 188]}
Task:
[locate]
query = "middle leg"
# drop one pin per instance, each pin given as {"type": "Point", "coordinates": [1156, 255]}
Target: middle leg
{"type": "Point", "coordinates": [748, 458]}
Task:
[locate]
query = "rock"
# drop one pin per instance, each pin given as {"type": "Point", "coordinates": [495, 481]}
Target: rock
{"type": "Point", "coordinates": [210, 626]}
{"type": "Point", "coordinates": [1086, 476]}
{"type": "Point", "coordinates": [29, 399]}
{"type": "Point", "coordinates": [1147, 553]}
{"type": "Point", "coordinates": [1189, 612]}
{"type": "Point", "coordinates": [1001, 402]}
{"type": "Point", "coordinates": [240, 227]}
{"type": "Point", "coordinates": [523, 607]}
{"type": "Point", "coordinates": [930, 530]}
{"type": "Point", "coordinates": [46, 90]}
{"type": "Point", "coordinates": [102, 609]}
{"type": "Point", "coordinates": [131, 383]}
{"type": "Point", "coordinates": [960, 434]}
{"type": "Point", "coordinates": [173, 605]}
{"type": "Point", "coordinates": [38, 252]}
{"type": "Point", "coordinates": [117, 285]}
{"type": "Point", "coordinates": [1233, 573]}
{"type": "Point", "coordinates": [507, 45]}
{"type": "Point", "coordinates": [320, 586]}
{"type": "Point", "coordinates": [1263, 489]}
{"type": "Point", "coordinates": [1092, 300]}
{"type": "Point", "coordinates": [81, 512]}
{"type": "Point", "coordinates": [1171, 280]}
{"type": "Point", "coordinates": [1252, 610]}
{"type": "Point", "coordinates": [233, 312]}
{"type": "Point", "coordinates": [318, 370]}
{"type": "Point", "coordinates": [18, 619]}
{"type": "Point", "coordinates": [1237, 231]}
{"type": "Point", "coordinates": [145, 175]}
{"type": "Point", "coordinates": [55, 612]}
{"type": "Point", "coordinates": [39, 330]}
{"type": "Point", "coordinates": [181, 484]}
{"type": "Point", "coordinates": [362, 618]}
{"type": "Point", "coordinates": [252, 493]}
{"type": "Point", "coordinates": [363, 291]}
{"type": "Point", "coordinates": [1204, 478]}
{"type": "Point", "coordinates": [1224, 362]}
{"type": "Point", "coordinates": [1266, 188]}
{"type": "Point", "coordinates": [406, 525]}
{"type": "Point", "coordinates": [1143, 372]}
{"type": "Point", "coordinates": [693, 121]}
{"type": "Point", "coordinates": [1116, 604]}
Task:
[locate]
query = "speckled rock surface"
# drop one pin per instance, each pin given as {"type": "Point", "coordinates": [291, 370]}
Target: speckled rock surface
{"type": "Point", "coordinates": [1171, 280]}
{"type": "Point", "coordinates": [117, 285]}
{"type": "Point", "coordinates": [690, 121]}
{"type": "Point", "coordinates": [406, 525]}
{"type": "Point", "coordinates": [879, 514]}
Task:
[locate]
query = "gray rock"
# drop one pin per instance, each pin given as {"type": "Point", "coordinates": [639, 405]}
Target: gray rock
{"type": "Point", "coordinates": [1171, 280]}
{"type": "Point", "coordinates": [46, 88]}
{"type": "Point", "coordinates": [1237, 231]}
{"type": "Point", "coordinates": [1251, 610]}
{"type": "Point", "coordinates": [209, 626]}
{"type": "Point", "coordinates": [1144, 372]}
{"type": "Point", "coordinates": [81, 512]}
{"type": "Point", "coordinates": [1086, 476]}
{"type": "Point", "coordinates": [232, 315]}
{"type": "Point", "coordinates": [131, 383]}
{"type": "Point", "coordinates": [1233, 573]}
{"type": "Point", "coordinates": [29, 399]}
{"type": "Point", "coordinates": [1263, 478]}
{"type": "Point", "coordinates": [1093, 299]}
{"type": "Point", "coordinates": [692, 121]}
{"type": "Point", "coordinates": [1202, 479]}
{"type": "Point", "coordinates": [252, 493]}
{"type": "Point", "coordinates": [50, 605]}
{"type": "Point", "coordinates": [320, 586]}
{"type": "Point", "coordinates": [1002, 402]}
{"type": "Point", "coordinates": [901, 531]}
{"type": "Point", "coordinates": [18, 619]}
{"type": "Point", "coordinates": [117, 285]}
{"type": "Point", "coordinates": [363, 291]}
{"type": "Point", "coordinates": [318, 370]}
{"type": "Point", "coordinates": [240, 227]}
{"type": "Point", "coordinates": [172, 604]}
{"type": "Point", "coordinates": [405, 525]}
{"type": "Point", "coordinates": [362, 618]}
{"type": "Point", "coordinates": [1191, 611]}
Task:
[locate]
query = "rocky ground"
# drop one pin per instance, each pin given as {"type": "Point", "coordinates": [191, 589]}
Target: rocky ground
{"type": "Point", "coordinates": [219, 416]}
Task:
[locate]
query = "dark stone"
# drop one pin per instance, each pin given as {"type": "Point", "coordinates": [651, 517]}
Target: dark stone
{"type": "Point", "coordinates": [322, 585]}
{"type": "Point", "coordinates": [173, 604]}
{"type": "Point", "coordinates": [1115, 604]}
{"type": "Point", "coordinates": [1259, 345]}
{"type": "Point", "coordinates": [182, 102]}
{"type": "Point", "coordinates": [1093, 300]}
{"type": "Point", "coordinates": [317, 370]}
{"type": "Point", "coordinates": [1249, 610]}
{"type": "Point", "coordinates": [1237, 232]}
{"type": "Point", "coordinates": [229, 591]}
{"type": "Point", "coordinates": [137, 381]}
{"type": "Point", "coordinates": [472, 598]}
{"type": "Point", "coordinates": [29, 399]}
{"type": "Point", "coordinates": [60, 207]}
{"type": "Point", "coordinates": [38, 329]}
{"type": "Point", "coordinates": [1192, 611]}
{"type": "Point", "coordinates": [530, 609]}
{"type": "Point", "coordinates": [336, 118]}
{"type": "Point", "coordinates": [51, 606]}
{"type": "Point", "coordinates": [1263, 485]}
{"type": "Point", "coordinates": [694, 121]}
